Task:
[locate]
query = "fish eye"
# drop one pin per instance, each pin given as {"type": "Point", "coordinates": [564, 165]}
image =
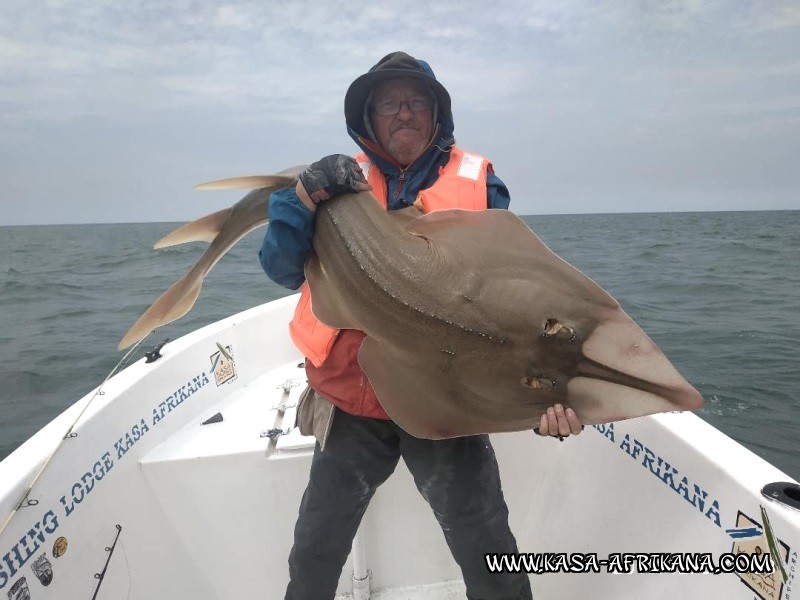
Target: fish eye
{"type": "Point", "coordinates": [553, 328]}
{"type": "Point", "coordinates": [538, 382]}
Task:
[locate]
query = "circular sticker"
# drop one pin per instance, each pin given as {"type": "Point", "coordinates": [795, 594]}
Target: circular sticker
{"type": "Point", "coordinates": [60, 547]}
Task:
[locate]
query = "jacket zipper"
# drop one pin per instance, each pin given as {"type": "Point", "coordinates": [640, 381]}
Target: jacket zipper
{"type": "Point", "coordinates": [400, 184]}
{"type": "Point", "coordinates": [378, 150]}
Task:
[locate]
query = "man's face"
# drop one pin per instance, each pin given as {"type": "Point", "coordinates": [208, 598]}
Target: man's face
{"type": "Point", "coordinates": [403, 135]}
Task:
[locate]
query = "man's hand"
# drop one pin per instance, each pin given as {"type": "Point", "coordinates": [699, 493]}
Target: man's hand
{"type": "Point", "coordinates": [329, 177]}
{"type": "Point", "coordinates": [559, 422]}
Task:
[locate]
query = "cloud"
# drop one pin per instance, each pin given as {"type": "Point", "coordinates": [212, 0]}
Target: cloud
{"type": "Point", "coordinates": [593, 95]}
{"type": "Point", "coordinates": [73, 59]}
{"type": "Point", "coordinates": [774, 16]}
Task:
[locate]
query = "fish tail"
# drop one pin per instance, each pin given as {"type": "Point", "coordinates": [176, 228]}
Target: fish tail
{"type": "Point", "coordinates": [171, 305]}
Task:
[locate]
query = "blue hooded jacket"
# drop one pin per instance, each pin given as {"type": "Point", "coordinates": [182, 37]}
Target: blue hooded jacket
{"type": "Point", "coordinates": [287, 242]}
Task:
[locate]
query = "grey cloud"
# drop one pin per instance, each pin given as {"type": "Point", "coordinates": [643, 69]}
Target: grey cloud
{"type": "Point", "coordinates": [580, 104]}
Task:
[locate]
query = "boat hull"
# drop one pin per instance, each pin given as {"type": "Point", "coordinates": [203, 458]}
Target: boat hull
{"type": "Point", "coordinates": [160, 505]}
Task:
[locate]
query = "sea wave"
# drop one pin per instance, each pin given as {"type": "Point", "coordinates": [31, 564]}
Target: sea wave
{"type": "Point", "coordinates": [716, 291]}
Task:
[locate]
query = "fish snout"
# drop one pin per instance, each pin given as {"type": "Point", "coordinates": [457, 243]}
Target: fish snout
{"type": "Point", "coordinates": [605, 367]}
{"type": "Point", "coordinates": [620, 364]}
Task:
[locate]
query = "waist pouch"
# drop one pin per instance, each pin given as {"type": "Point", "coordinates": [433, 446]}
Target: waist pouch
{"type": "Point", "coordinates": [314, 416]}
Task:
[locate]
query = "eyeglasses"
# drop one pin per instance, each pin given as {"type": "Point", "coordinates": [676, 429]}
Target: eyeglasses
{"type": "Point", "coordinates": [389, 108]}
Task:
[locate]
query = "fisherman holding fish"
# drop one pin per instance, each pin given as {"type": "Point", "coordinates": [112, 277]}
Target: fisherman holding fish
{"type": "Point", "coordinates": [400, 116]}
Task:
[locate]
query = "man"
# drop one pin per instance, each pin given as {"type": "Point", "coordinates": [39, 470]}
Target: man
{"type": "Point", "coordinates": [400, 116]}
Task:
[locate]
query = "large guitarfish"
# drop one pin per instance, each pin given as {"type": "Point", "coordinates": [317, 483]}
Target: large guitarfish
{"type": "Point", "coordinates": [472, 324]}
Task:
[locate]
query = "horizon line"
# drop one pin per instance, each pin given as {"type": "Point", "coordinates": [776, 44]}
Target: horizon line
{"type": "Point", "coordinates": [542, 214]}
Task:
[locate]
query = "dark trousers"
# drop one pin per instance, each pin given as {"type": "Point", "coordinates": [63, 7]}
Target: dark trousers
{"type": "Point", "coordinates": [459, 478]}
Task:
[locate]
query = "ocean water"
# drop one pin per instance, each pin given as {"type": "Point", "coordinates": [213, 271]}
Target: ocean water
{"type": "Point", "coordinates": [718, 292]}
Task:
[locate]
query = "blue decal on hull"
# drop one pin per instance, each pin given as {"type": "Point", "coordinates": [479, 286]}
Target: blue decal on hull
{"type": "Point", "coordinates": [669, 475]}
{"type": "Point", "coordinates": [13, 560]}
{"type": "Point", "coordinates": [26, 547]}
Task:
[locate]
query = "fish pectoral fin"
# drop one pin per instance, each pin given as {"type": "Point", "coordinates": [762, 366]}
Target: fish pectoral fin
{"type": "Point", "coordinates": [204, 229]}
{"type": "Point", "coordinates": [415, 395]}
{"type": "Point", "coordinates": [327, 303]}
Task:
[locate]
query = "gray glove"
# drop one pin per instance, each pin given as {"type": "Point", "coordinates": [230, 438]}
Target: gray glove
{"type": "Point", "coordinates": [333, 176]}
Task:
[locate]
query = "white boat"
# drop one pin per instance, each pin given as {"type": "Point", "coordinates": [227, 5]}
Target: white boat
{"type": "Point", "coordinates": [182, 478]}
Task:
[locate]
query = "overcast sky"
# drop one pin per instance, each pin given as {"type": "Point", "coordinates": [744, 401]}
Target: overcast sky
{"type": "Point", "coordinates": [111, 111]}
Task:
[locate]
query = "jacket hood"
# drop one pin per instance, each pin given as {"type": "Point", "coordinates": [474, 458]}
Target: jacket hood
{"type": "Point", "coordinates": [399, 64]}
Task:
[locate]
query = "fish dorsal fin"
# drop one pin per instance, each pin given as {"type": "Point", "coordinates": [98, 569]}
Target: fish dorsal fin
{"type": "Point", "coordinates": [250, 182]}
{"type": "Point", "coordinates": [204, 229]}
{"type": "Point", "coordinates": [221, 230]}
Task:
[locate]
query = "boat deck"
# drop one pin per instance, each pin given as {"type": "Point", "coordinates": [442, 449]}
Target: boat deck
{"type": "Point", "coordinates": [449, 590]}
{"type": "Point", "coordinates": [248, 416]}
{"type": "Point", "coordinates": [194, 461]}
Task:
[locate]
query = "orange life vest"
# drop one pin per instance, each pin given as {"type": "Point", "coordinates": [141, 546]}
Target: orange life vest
{"type": "Point", "coordinates": [461, 184]}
